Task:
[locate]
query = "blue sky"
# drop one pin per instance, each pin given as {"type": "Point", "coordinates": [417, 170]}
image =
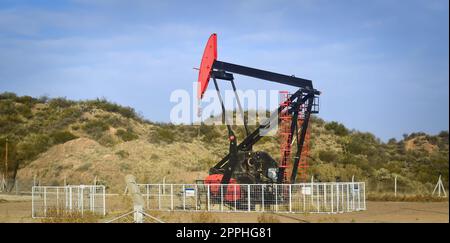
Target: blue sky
{"type": "Point", "coordinates": [382, 65]}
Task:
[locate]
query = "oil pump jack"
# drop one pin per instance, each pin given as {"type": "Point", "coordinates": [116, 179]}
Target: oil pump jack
{"type": "Point", "coordinates": [242, 165]}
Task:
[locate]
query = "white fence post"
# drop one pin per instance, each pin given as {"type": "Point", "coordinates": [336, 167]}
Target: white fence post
{"type": "Point", "coordinates": [208, 197]}
{"type": "Point", "coordinates": [148, 195]}
{"type": "Point", "coordinates": [92, 191]}
{"type": "Point", "coordinates": [196, 197]}
{"type": "Point", "coordinates": [32, 202]}
{"type": "Point", "coordinates": [171, 197]}
{"type": "Point", "coordinates": [221, 198]}
{"type": "Point", "coordinates": [312, 190]}
{"type": "Point", "coordinates": [303, 193]}
{"type": "Point", "coordinates": [66, 198]}
{"type": "Point", "coordinates": [318, 197]}
{"type": "Point", "coordinates": [276, 198]}
{"type": "Point", "coordinates": [57, 201]}
{"type": "Point", "coordinates": [235, 197]}
{"type": "Point", "coordinates": [338, 197]}
{"type": "Point", "coordinates": [359, 196]}
{"type": "Point", "coordinates": [262, 196]}
{"type": "Point", "coordinates": [159, 196]}
{"type": "Point", "coordinates": [82, 200]}
{"type": "Point", "coordinates": [395, 186]}
{"type": "Point", "coordinates": [364, 194]}
{"type": "Point", "coordinates": [290, 198]}
{"type": "Point", "coordinates": [342, 197]}
{"type": "Point", "coordinates": [45, 202]}
{"type": "Point", "coordinates": [70, 198]}
{"type": "Point", "coordinates": [184, 197]}
{"type": "Point", "coordinates": [248, 197]}
{"type": "Point", "coordinates": [332, 198]}
{"type": "Point", "coordinates": [348, 201]}
{"type": "Point", "coordinates": [104, 200]}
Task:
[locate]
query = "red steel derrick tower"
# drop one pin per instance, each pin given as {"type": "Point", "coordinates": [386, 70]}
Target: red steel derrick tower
{"type": "Point", "coordinates": [285, 134]}
{"type": "Point", "coordinates": [287, 138]}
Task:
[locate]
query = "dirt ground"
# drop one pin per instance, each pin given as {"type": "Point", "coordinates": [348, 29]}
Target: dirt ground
{"type": "Point", "coordinates": [17, 209]}
{"type": "Point", "coordinates": [377, 212]}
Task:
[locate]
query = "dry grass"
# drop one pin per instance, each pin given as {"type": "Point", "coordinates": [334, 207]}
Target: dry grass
{"type": "Point", "coordinates": [329, 219]}
{"type": "Point", "coordinates": [63, 216]}
{"type": "Point", "coordinates": [150, 163]}
{"type": "Point", "coordinates": [204, 217]}
{"type": "Point", "coordinates": [268, 218]}
{"type": "Point", "coordinates": [383, 197]}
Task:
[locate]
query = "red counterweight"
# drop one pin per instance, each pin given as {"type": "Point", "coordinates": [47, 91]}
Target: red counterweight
{"type": "Point", "coordinates": [209, 56]}
{"type": "Point", "coordinates": [233, 192]}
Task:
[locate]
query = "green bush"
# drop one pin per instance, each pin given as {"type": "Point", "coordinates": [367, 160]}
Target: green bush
{"type": "Point", "coordinates": [328, 156]}
{"type": "Point", "coordinates": [162, 134]}
{"type": "Point", "coordinates": [72, 113]}
{"type": "Point", "coordinates": [84, 167]}
{"type": "Point", "coordinates": [8, 96]}
{"type": "Point", "coordinates": [26, 100]}
{"type": "Point", "coordinates": [43, 99]}
{"type": "Point", "coordinates": [95, 128]}
{"type": "Point", "coordinates": [33, 145]}
{"type": "Point", "coordinates": [60, 103]}
{"type": "Point", "coordinates": [107, 140]}
{"type": "Point", "coordinates": [122, 154]}
{"type": "Point", "coordinates": [338, 128]}
{"type": "Point", "coordinates": [105, 105]}
{"type": "Point", "coordinates": [9, 124]}
{"type": "Point", "coordinates": [62, 137]}
{"type": "Point", "coordinates": [124, 167]}
{"type": "Point", "coordinates": [114, 121]}
{"type": "Point", "coordinates": [209, 133]}
{"type": "Point", "coordinates": [24, 110]}
{"type": "Point", "coordinates": [362, 143]}
{"type": "Point", "coordinates": [7, 107]}
{"type": "Point", "coordinates": [127, 135]}
{"type": "Point", "coordinates": [443, 134]}
{"type": "Point", "coordinates": [317, 120]}
{"type": "Point", "coordinates": [186, 133]}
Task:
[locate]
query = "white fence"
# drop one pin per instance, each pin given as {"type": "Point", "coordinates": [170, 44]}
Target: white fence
{"type": "Point", "coordinates": [50, 201]}
{"type": "Point", "coordinates": [334, 197]}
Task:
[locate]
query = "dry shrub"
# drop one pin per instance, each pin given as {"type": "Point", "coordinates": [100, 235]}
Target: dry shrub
{"type": "Point", "coordinates": [405, 198]}
{"type": "Point", "coordinates": [204, 217]}
{"type": "Point", "coordinates": [330, 219]}
{"type": "Point", "coordinates": [64, 216]}
{"type": "Point", "coordinates": [268, 218]}
{"type": "Point", "coordinates": [126, 200]}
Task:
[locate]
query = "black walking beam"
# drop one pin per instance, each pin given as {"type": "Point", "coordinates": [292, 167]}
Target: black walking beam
{"type": "Point", "coordinates": [262, 74]}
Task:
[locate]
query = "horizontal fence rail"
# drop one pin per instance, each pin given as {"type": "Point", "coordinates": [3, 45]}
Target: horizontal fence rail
{"type": "Point", "coordinates": [332, 197]}
{"type": "Point", "coordinates": [52, 201]}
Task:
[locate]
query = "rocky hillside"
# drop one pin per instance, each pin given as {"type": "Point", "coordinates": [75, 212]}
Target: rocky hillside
{"type": "Point", "coordinates": [77, 141]}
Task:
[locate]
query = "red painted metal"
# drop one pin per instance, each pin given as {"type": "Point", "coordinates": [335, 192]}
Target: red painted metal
{"type": "Point", "coordinates": [286, 140]}
{"type": "Point", "coordinates": [209, 56]}
{"type": "Point", "coordinates": [233, 189]}
{"type": "Point", "coordinates": [285, 134]}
